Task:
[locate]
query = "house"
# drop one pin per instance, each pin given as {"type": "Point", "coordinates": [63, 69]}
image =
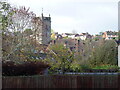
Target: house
{"type": "Point", "coordinates": [83, 36]}
{"type": "Point", "coordinates": [80, 47]}
{"type": "Point", "coordinates": [108, 35]}
{"type": "Point", "coordinates": [69, 35]}
{"type": "Point", "coordinates": [59, 36]}
{"type": "Point", "coordinates": [55, 35]}
{"type": "Point", "coordinates": [64, 35]}
{"type": "Point", "coordinates": [72, 44]}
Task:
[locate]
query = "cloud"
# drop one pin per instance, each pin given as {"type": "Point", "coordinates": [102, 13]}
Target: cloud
{"type": "Point", "coordinates": [90, 16]}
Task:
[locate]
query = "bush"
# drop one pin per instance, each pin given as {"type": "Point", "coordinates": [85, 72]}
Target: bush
{"type": "Point", "coordinates": [10, 68]}
{"type": "Point", "coordinates": [106, 53]}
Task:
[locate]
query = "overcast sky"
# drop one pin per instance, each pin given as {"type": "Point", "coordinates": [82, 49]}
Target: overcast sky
{"type": "Point", "coordinates": [92, 16]}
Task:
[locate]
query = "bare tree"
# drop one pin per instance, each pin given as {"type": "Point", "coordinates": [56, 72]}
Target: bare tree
{"type": "Point", "coordinates": [20, 21]}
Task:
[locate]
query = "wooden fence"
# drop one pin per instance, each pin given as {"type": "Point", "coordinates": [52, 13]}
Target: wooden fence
{"type": "Point", "coordinates": [62, 81]}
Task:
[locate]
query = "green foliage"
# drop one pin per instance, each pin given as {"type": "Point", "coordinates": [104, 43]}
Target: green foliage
{"type": "Point", "coordinates": [75, 66]}
{"type": "Point", "coordinates": [97, 38]}
{"type": "Point", "coordinates": [6, 12]}
{"type": "Point", "coordinates": [85, 67]}
{"type": "Point", "coordinates": [59, 58]}
{"type": "Point", "coordinates": [104, 54]}
{"type": "Point", "coordinates": [28, 32]}
{"type": "Point", "coordinates": [106, 67]}
{"type": "Point", "coordinates": [101, 33]}
{"type": "Point", "coordinates": [66, 37]}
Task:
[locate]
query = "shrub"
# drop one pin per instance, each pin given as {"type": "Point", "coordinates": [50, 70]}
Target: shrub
{"type": "Point", "coordinates": [10, 68]}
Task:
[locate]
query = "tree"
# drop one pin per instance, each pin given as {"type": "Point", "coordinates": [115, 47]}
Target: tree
{"type": "Point", "coordinates": [53, 36]}
{"type": "Point", "coordinates": [5, 13]}
{"type": "Point", "coordinates": [104, 54]}
{"type": "Point", "coordinates": [101, 33]}
{"type": "Point", "coordinates": [59, 58]}
{"type": "Point", "coordinates": [15, 23]}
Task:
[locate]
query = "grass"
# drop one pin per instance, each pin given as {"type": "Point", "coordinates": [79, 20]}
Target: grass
{"type": "Point", "coordinates": [106, 67]}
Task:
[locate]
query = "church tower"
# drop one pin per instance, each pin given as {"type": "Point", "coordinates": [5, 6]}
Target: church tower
{"type": "Point", "coordinates": [46, 29]}
{"type": "Point", "coordinates": [42, 27]}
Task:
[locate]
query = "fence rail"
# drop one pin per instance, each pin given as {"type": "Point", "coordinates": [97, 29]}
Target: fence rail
{"type": "Point", "coordinates": [62, 81]}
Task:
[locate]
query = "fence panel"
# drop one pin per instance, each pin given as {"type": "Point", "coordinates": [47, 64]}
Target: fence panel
{"type": "Point", "coordinates": [62, 81]}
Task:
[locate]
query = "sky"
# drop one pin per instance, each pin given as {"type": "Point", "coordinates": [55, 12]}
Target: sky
{"type": "Point", "coordinates": [76, 16]}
